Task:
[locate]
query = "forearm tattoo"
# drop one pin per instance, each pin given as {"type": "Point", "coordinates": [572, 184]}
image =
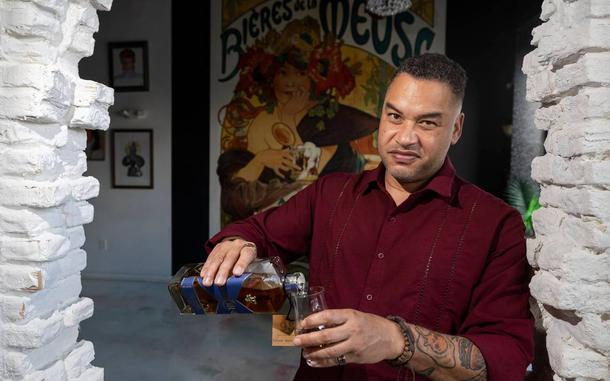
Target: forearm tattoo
{"type": "Point", "coordinates": [437, 355]}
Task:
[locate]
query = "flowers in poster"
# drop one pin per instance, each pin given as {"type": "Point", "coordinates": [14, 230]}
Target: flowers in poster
{"type": "Point", "coordinates": [323, 64]}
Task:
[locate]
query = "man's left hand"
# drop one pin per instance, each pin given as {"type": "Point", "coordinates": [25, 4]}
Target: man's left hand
{"type": "Point", "coordinates": [361, 337]}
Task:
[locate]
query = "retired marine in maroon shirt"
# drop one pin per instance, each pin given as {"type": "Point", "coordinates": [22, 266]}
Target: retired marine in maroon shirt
{"type": "Point", "coordinates": [408, 239]}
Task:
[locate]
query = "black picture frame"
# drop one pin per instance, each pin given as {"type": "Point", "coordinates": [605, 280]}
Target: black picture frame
{"type": "Point", "coordinates": [134, 166]}
{"type": "Point", "coordinates": [122, 55]}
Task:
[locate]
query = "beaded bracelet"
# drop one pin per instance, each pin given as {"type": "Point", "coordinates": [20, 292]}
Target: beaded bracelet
{"type": "Point", "coordinates": [407, 352]}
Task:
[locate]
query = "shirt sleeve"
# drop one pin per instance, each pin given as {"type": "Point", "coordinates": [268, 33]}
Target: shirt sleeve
{"type": "Point", "coordinates": [283, 231]}
{"type": "Point", "coordinates": [499, 321]}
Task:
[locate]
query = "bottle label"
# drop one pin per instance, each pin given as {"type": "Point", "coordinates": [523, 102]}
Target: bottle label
{"type": "Point", "coordinates": [187, 290]}
{"type": "Point", "coordinates": [225, 296]}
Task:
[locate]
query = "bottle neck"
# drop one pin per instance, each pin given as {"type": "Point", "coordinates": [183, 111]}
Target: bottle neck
{"type": "Point", "coordinates": [295, 283]}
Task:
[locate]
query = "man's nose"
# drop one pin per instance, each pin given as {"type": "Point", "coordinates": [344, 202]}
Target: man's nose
{"type": "Point", "coordinates": [407, 135]}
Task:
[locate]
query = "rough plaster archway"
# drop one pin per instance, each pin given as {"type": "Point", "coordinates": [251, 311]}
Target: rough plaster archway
{"type": "Point", "coordinates": [44, 110]}
{"type": "Point", "coordinates": [568, 73]}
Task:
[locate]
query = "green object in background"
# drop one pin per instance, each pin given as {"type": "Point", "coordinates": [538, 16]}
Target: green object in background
{"type": "Point", "coordinates": [523, 196]}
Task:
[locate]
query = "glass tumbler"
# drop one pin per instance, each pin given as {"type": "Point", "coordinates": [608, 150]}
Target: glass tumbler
{"type": "Point", "coordinates": [306, 304]}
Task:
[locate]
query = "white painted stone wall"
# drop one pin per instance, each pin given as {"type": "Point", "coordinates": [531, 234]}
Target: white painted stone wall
{"type": "Point", "coordinates": [44, 110]}
{"type": "Point", "coordinates": [569, 73]}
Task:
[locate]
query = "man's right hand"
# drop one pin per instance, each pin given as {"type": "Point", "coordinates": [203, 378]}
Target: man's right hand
{"type": "Point", "coordinates": [230, 255]}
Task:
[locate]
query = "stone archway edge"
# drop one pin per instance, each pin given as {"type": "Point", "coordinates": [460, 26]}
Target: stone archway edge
{"type": "Point", "coordinates": [568, 73]}
{"type": "Point", "coordinates": [45, 109]}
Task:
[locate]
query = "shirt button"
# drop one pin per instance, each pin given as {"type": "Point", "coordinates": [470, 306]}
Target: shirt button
{"type": "Point", "coordinates": [380, 255]}
{"type": "Point", "coordinates": [369, 297]}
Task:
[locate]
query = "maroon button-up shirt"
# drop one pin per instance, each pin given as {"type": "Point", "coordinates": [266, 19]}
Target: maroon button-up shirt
{"type": "Point", "coordinates": [450, 258]}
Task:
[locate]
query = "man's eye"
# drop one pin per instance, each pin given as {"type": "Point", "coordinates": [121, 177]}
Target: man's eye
{"type": "Point", "coordinates": [428, 123]}
{"type": "Point", "coordinates": [394, 116]}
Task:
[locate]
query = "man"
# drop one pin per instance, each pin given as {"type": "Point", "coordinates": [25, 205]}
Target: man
{"type": "Point", "coordinates": [128, 75]}
{"type": "Point", "coordinates": [409, 239]}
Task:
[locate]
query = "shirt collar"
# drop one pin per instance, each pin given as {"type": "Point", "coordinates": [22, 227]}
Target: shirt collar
{"type": "Point", "coordinates": [441, 183]}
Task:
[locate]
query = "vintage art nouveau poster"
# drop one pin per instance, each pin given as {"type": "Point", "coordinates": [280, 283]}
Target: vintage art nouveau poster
{"type": "Point", "coordinates": [296, 88]}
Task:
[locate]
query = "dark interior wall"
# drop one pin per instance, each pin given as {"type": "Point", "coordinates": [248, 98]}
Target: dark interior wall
{"type": "Point", "coordinates": [190, 132]}
{"type": "Point", "coordinates": [482, 37]}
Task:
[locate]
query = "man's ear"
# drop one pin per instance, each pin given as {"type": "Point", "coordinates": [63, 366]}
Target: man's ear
{"type": "Point", "coordinates": [457, 128]}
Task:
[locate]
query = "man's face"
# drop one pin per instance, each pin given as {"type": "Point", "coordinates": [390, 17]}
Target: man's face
{"type": "Point", "coordinates": [128, 63]}
{"type": "Point", "coordinates": [420, 120]}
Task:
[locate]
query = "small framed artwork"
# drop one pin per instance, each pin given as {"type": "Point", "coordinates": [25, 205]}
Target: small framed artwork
{"type": "Point", "coordinates": [128, 63]}
{"type": "Point", "coordinates": [132, 158]}
{"type": "Point", "coordinates": [96, 145]}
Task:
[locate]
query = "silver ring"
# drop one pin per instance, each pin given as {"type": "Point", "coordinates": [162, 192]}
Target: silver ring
{"type": "Point", "coordinates": [341, 360]}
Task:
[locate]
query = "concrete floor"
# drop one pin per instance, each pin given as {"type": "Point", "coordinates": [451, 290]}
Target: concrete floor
{"type": "Point", "coordinates": [138, 334]}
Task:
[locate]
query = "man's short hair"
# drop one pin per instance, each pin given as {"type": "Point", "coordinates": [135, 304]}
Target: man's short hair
{"type": "Point", "coordinates": [439, 67]}
{"type": "Point", "coordinates": [127, 53]}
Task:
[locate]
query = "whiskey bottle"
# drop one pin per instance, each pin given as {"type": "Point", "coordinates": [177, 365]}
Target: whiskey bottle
{"type": "Point", "coordinates": [263, 288]}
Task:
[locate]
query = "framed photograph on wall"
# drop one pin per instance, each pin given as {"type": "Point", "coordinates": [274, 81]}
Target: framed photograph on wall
{"type": "Point", "coordinates": [132, 158]}
{"type": "Point", "coordinates": [128, 63]}
{"type": "Point", "coordinates": [96, 145]}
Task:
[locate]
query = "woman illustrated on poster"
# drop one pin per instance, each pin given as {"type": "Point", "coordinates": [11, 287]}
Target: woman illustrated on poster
{"type": "Point", "coordinates": [298, 130]}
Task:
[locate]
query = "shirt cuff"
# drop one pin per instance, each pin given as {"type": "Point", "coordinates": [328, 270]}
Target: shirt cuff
{"type": "Point", "coordinates": [504, 360]}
